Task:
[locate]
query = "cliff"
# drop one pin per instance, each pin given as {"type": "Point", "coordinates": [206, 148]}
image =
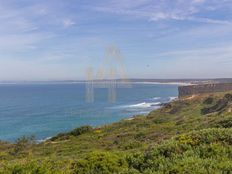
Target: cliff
{"type": "Point", "coordinates": [204, 88]}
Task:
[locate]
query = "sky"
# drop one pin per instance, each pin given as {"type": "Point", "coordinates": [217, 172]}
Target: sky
{"type": "Point", "coordinates": [62, 39]}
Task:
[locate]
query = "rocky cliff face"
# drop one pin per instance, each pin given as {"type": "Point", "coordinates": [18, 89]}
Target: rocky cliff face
{"type": "Point", "coordinates": [204, 88]}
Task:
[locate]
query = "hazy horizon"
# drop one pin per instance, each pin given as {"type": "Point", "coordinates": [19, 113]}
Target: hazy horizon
{"type": "Point", "coordinates": [134, 80]}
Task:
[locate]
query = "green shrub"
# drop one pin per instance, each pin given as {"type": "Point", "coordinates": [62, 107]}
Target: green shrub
{"type": "Point", "coordinates": [43, 166]}
{"type": "Point", "coordinates": [219, 106]}
{"type": "Point", "coordinates": [81, 130]}
{"type": "Point", "coordinates": [100, 163]}
{"type": "Point", "coordinates": [22, 143]}
{"type": "Point", "coordinates": [208, 101]}
{"type": "Point", "coordinates": [76, 132]}
{"type": "Point", "coordinates": [207, 151]}
{"type": "Point", "coordinates": [226, 123]}
{"type": "Point", "coordinates": [228, 97]}
{"type": "Point", "coordinates": [60, 136]}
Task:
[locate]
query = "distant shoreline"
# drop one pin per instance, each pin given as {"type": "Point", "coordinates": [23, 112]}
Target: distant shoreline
{"type": "Point", "coordinates": [184, 81]}
{"type": "Point", "coordinates": [63, 83]}
{"type": "Point", "coordinates": [163, 83]}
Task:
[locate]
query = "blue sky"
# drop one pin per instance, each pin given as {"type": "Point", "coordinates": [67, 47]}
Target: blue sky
{"type": "Point", "coordinates": [60, 39]}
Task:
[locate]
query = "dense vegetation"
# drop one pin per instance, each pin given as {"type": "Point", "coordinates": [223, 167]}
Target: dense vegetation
{"type": "Point", "coordinates": [192, 135]}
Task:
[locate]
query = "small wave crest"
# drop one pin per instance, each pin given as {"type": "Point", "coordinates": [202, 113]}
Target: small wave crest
{"type": "Point", "coordinates": [155, 98]}
{"type": "Point", "coordinates": [172, 98]}
{"type": "Point", "coordinates": [43, 140]}
{"type": "Point", "coordinates": [144, 105]}
{"type": "Point", "coordinates": [139, 106]}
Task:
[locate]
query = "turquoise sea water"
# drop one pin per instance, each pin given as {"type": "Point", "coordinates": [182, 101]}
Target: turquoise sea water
{"type": "Point", "coordinates": [44, 110]}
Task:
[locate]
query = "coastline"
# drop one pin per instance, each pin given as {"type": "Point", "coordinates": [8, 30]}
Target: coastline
{"type": "Point", "coordinates": [159, 107]}
{"type": "Point", "coordinates": [148, 102]}
{"type": "Point", "coordinates": [125, 119]}
{"type": "Point", "coordinates": [163, 83]}
{"type": "Point", "coordinates": [83, 82]}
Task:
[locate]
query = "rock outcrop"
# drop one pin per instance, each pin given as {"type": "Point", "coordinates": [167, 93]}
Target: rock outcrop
{"type": "Point", "coordinates": [190, 90]}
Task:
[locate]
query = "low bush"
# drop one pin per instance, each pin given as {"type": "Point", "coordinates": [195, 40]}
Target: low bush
{"type": "Point", "coordinates": [206, 151]}
{"type": "Point", "coordinates": [100, 163]}
{"type": "Point", "coordinates": [228, 97]}
{"type": "Point", "coordinates": [226, 123]}
{"type": "Point", "coordinates": [22, 143]}
{"type": "Point", "coordinates": [220, 105]}
{"type": "Point", "coordinates": [29, 166]}
{"type": "Point", "coordinates": [81, 130]}
{"type": "Point", "coordinates": [76, 132]}
{"type": "Point", "coordinates": [208, 101]}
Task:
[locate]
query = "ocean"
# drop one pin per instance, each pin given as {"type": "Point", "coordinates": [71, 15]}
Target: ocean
{"type": "Point", "coordinates": [43, 110]}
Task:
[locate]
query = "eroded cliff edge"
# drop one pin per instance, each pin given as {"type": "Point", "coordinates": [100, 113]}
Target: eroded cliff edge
{"type": "Point", "coordinates": [190, 90]}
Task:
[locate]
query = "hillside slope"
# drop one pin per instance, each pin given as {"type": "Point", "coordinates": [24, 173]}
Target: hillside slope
{"type": "Point", "coordinates": [192, 135]}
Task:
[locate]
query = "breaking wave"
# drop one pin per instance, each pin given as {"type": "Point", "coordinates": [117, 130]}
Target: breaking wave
{"type": "Point", "coordinates": [156, 98]}
{"type": "Point", "coordinates": [144, 105]}
{"type": "Point", "coordinates": [172, 98]}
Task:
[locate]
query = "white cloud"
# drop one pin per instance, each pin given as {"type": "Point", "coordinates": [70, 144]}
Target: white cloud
{"type": "Point", "coordinates": [68, 23]}
{"type": "Point", "coordinates": [218, 51]}
{"type": "Point", "coordinates": [159, 10]}
{"type": "Point", "coordinates": [22, 27]}
{"type": "Point", "coordinates": [33, 37]}
{"type": "Point", "coordinates": [209, 62]}
{"type": "Point", "coordinates": [198, 1]}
